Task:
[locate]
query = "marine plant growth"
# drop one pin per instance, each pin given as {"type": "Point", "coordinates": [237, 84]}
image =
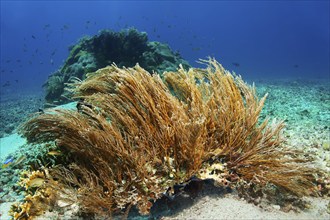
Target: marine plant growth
{"type": "Point", "coordinates": [134, 136]}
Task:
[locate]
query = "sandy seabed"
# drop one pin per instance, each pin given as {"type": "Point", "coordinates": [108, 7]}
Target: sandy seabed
{"type": "Point", "coordinates": [305, 107]}
{"type": "Point", "coordinates": [231, 207]}
{"type": "Point", "coordinates": [214, 206]}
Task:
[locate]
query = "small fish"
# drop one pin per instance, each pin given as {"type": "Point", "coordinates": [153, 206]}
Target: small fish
{"type": "Point", "coordinates": [7, 163]}
{"type": "Point", "coordinates": [236, 64]}
{"type": "Point", "coordinates": [4, 166]}
{"type": "Point", "coordinates": [18, 61]}
{"type": "Point", "coordinates": [36, 182]}
{"type": "Point", "coordinates": [16, 80]}
{"type": "Point", "coordinates": [11, 159]}
{"type": "Point", "coordinates": [46, 26]}
{"type": "Point", "coordinates": [296, 66]}
{"type": "Point", "coordinates": [82, 104]}
{"type": "Point", "coordinates": [6, 84]}
{"type": "Point", "coordinates": [33, 37]}
{"type": "Point", "coordinates": [52, 61]}
{"type": "Point", "coordinates": [54, 153]}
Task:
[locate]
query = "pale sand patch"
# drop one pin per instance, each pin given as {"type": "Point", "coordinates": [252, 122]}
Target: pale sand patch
{"type": "Point", "coordinates": [4, 209]}
{"type": "Point", "coordinates": [225, 208]}
{"type": "Point", "coordinates": [13, 142]}
{"type": "Point", "coordinates": [9, 144]}
{"type": "Point", "coordinates": [230, 207]}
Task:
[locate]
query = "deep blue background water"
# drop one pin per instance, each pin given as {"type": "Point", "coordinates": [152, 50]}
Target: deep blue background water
{"type": "Point", "coordinates": [269, 39]}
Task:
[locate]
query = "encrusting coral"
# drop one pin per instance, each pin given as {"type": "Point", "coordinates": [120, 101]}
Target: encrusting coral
{"type": "Point", "coordinates": [134, 137]}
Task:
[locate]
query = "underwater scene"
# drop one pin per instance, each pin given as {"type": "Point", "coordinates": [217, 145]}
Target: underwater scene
{"type": "Point", "coordinates": [165, 110]}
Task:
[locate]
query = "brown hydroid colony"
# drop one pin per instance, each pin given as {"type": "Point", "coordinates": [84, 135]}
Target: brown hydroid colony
{"type": "Point", "coordinates": [135, 136]}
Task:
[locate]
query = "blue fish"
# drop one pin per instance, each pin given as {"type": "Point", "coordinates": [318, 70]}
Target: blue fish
{"type": "Point", "coordinates": [7, 162]}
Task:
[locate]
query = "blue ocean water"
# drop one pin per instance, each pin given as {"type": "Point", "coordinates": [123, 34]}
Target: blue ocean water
{"type": "Point", "coordinates": [268, 39]}
{"type": "Point", "coordinates": [260, 40]}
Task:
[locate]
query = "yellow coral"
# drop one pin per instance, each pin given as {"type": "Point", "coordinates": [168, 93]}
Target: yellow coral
{"type": "Point", "coordinates": [32, 179]}
{"type": "Point", "coordinates": [40, 194]}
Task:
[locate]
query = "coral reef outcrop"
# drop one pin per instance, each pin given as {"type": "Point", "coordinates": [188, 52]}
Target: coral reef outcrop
{"type": "Point", "coordinates": [125, 48]}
